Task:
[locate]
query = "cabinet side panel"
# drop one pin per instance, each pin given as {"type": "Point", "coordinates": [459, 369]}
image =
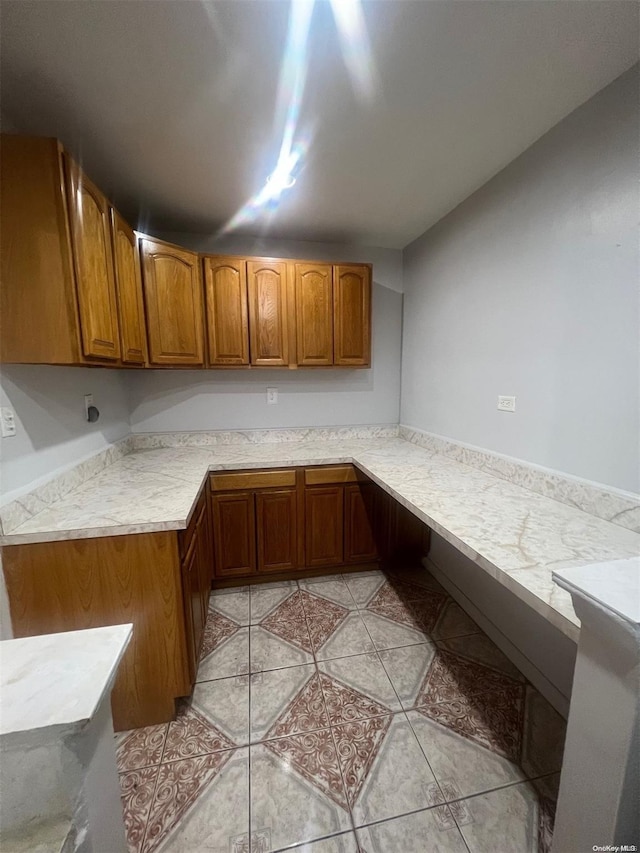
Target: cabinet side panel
{"type": "Point", "coordinates": [37, 302]}
{"type": "Point", "coordinates": [87, 583]}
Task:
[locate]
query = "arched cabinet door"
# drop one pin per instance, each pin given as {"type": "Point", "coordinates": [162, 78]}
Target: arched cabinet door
{"type": "Point", "coordinates": [173, 299]}
{"type": "Point", "coordinates": [314, 314]}
{"type": "Point", "coordinates": [93, 265]}
{"type": "Point", "coordinates": [227, 310]}
{"type": "Point", "coordinates": [352, 315]}
{"type": "Point", "coordinates": [269, 313]}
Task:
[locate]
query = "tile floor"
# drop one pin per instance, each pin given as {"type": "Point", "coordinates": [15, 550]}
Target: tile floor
{"type": "Point", "coordinates": [361, 713]}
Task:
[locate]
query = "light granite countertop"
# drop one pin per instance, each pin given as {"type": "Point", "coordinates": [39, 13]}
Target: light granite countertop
{"type": "Point", "coordinates": [516, 535]}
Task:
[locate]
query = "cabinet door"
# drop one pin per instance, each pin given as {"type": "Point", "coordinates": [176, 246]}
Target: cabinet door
{"type": "Point", "coordinates": [173, 299]}
{"type": "Point", "coordinates": [227, 310]}
{"type": "Point", "coordinates": [133, 335]}
{"type": "Point", "coordinates": [324, 525]}
{"type": "Point", "coordinates": [314, 313]}
{"type": "Point", "coordinates": [277, 528]}
{"type": "Point", "coordinates": [352, 315]}
{"type": "Point", "coordinates": [360, 523]}
{"type": "Point", "coordinates": [234, 533]}
{"type": "Point", "coordinates": [268, 313]}
{"type": "Point", "coordinates": [93, 264]}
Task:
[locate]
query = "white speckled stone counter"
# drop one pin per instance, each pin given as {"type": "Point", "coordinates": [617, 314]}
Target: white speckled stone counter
{"type": "Point", "coordinates": [514, 534]}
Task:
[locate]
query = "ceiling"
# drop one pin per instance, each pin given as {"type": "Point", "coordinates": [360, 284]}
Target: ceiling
{"type": "Point", "coordinates": [171, 106]}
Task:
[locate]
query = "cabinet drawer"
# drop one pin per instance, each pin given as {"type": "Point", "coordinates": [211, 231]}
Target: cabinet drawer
{"type": "Point", "coordinates": [333, 474]}
{"type": "Point", "coordinates": [253, 480]}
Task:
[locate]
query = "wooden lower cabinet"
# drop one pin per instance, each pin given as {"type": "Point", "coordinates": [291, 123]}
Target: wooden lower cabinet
{"type": "Point", "coordinates": [88, 583]}
{"type": "Point", "coordinates": [196, 582]}
{"type": "Point", "coordinates": [360, 504]}
{"type": "Point", "coordinates": [233, 516]}
{"type": "Point", "coordinates": [324, 525]}
{"type": "Point", "coordinates": [277, 530]}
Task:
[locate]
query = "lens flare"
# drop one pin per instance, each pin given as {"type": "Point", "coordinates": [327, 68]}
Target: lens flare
{"type": "Point", "coordinates": [293, 77]}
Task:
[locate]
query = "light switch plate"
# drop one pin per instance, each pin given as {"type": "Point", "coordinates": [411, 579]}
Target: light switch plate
{"type": "Point", "coordinates": [506, 404]}
{"type": "Point", "coordinates": [272, 396]}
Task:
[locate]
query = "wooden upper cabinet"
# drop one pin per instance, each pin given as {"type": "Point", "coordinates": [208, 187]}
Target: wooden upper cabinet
{"type": "Point", "coordinates": [93, 262]}
{"type": "Point", "coordinates": [173, 299]}
{"type": "Point", "coordinates": [269, 312]}
{"type": "Point", "coordinates": [352, 315]}
{"type": "Point", "coordinates": [133, 336]}
{"type": "Point", "coordinates": [227, 310]}
{"type": "Point", "coordinates": [314, 313]}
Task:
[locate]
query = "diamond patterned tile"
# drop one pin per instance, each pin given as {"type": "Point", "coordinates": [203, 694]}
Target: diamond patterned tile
{"type": "Point", "coordinates": [283, 645]}
{"type": "Point", "coordinates": [331, 739]}
{"type": "Point", "coordinates": [297, 793]}
{"type": "Point", "coordinates": [140, 747]}
{"type": "Point", "coordinates": [519, 817]}
{"type": "Point", "coordinates": [356, 687]}
{"type": "Point", "coordinates": [385, 771]}
{"type": "Point", "coordinates": [266, 599]}
{"type": "Point", "coordinates": [192, 734]}
{"type": "Point", "coordinates": [137, 789]}
{"type": "Point", "coordinates": [205, 797]}
{"type": "Point", "coordinates": [430, 830]}
{"type": "Point", "coordinates": [286, 702]}
{"type": "Point", "coordinates": [232, 605]}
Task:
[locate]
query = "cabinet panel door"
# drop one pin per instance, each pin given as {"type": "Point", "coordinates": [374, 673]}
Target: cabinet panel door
{"type": "Point", "coordinates": [352, 315]}
{"type": "Point", "coordinates": [133, 335]}
{"type": "Point", "coordinates": [268, 313]}
{"type": "Point", "coordinates": [314, 313]}
{"type": "Point", "coordinates": [93, 264]}
{"type": "Point", "coordinates": [227, 310]}
{"type": "Point", "coordinates": [173, 299]}
{"type": "Point", "coordinates": [234, 533]}
{"type": "Point", "coordinates": [324, 525]}
{"type": "Point", "coordinates": [360, 523]}
{"type": "Point", "coordinates": [277, 520]}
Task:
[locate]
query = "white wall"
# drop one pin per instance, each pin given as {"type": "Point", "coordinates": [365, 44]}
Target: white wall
{"type": "Point", "coordinates": [162, 401]}
{"type": "Point", "coordinates": [530, 288]}
{"type": "Point", "coordinates": [52, 433]}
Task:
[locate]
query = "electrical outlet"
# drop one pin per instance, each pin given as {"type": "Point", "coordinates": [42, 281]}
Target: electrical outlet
{"type": "Point", "coordinates": [88, 401]}
{"type": "Point", "coordinates": [272, 396]}
{"type": "Point", "coordinates": [507, 404]}
{"type": "Point", "coordinates": [8, 420]}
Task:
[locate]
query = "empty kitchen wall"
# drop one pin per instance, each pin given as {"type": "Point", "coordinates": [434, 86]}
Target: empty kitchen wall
{"type": "Point", "coordinates": [165, 401]}
{"type": "Point", "coordinates": [52, 433]}
{"type": "Point", "coordinates": [530, 288]}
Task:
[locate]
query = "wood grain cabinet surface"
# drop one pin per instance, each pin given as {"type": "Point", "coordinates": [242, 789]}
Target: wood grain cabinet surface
{"type": "Point", "coordinates": [71, 289]}
{"type": "Point", "coordinates": [314, 314]}
{"type": "Point", "coordinates": [227, 310]}
{"type": "Point", "coordinates": [174, 304]}
{"type": "Point", "coordinates": [133, 336]}
{"type": "Point", "coordinates": [352, 315]}
{"type": "Point", "coordinates": [57, 285]}
{"type": "Point", "coordinates": [269, 312]}
{"type": "Point", "coordinates": [93, 261]}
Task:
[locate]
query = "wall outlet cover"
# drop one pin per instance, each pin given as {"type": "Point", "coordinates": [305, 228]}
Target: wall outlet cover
{"type": "Point", "coordinates": [506, 404]}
